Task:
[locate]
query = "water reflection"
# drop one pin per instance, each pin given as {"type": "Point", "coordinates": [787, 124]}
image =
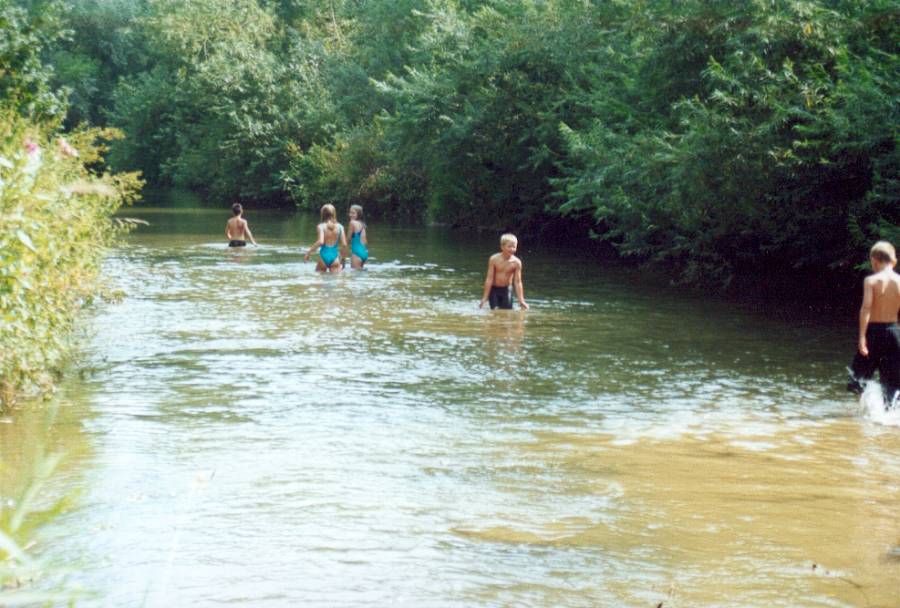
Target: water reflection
{"type": "Point", "coordinates": [241, 254]}
{"type": "Point", "coordinates": [29, 434]}
{"type": "Point", "coordinates": [266, 435]}
{"type": "Point", "coordinates": [504, 333]}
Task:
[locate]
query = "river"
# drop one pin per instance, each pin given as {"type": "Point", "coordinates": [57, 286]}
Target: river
{"type": "Point", "coordinates": [243, 431]}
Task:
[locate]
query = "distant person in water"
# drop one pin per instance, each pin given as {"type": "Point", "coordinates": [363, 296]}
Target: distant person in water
{"type": "Point", "coordinates": [359, 253]}
{"type": "Point", "coordinates": [504, 271]}
{"type": "Point", "coordinates": [237, 231]}
{"type": "Point", "coordinates": [331, 241]}
{"type": "Point", "coordinates": [879, 335]}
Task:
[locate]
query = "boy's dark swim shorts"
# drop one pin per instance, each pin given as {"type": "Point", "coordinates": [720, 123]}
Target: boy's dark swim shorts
{"type": "Point", "coordinates": [237, 243]}
{"type": "Point", "coordinates": [883, 340]}
{"type": "Point", "coordinates": [499, 297]}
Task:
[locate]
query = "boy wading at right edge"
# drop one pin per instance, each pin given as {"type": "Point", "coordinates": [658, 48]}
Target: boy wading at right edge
{"type": "Point", "coordinates": [504, 270]}
{"type": "Point", "coordinates": [879, 335]}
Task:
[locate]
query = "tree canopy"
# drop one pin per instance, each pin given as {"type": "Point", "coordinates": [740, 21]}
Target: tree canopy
{"type": "Point", "coordinates": [718, 139]}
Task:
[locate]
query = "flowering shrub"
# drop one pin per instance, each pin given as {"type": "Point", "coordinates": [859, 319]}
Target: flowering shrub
{"type": "Point", "coordinates": [55, 223]}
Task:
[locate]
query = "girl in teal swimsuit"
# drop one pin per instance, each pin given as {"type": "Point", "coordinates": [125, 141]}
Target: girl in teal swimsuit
{"type": "Point", "coordinates": [330, 242]}
{"type": "Point", "coordinates": [359, 253]}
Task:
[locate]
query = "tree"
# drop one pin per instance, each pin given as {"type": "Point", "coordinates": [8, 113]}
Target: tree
{"type": "Point", "coordinates": [26, 32]}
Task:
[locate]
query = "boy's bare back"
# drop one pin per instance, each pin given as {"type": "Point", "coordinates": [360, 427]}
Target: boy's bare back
{"type": "Point", "coordinates": [235, 229]}
{"type": "Point", "coordinates": [884, 290]}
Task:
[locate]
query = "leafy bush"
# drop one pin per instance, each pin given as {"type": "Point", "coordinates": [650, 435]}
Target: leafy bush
{"type": "Point", "coordinates": [357, 169]}
{"type": "Point", "coordinates": [777, 154]}
{"type": "Point", "coordinates": [55, 224]}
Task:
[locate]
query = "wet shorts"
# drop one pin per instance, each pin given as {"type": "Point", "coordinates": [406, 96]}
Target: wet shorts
{"type": "Point", "coordinates": [883, 340]}
{"type": "Point", "coordinates": [237, 243]}
{"type": "Point", "coordinates": [499, 297]}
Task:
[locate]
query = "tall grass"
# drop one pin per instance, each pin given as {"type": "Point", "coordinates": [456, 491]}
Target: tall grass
{"type": "Point", "coordinates": [22, 514]}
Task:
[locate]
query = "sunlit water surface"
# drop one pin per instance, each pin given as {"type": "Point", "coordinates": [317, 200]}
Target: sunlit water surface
{"type": "Point", "coordinates": [244, 431]}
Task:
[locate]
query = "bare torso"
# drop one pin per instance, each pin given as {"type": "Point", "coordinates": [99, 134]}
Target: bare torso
{"type": "Point", "coordinates": [504, 269]}
{"type": "Point", "coordinates": [885, 287]}
{"type": "Point", "coordinates": [235, 229]}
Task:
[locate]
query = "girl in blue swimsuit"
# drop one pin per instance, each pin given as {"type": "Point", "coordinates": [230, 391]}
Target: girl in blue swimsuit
{"type": "Point", "coordinates": [359, 253]}
{"type": "Point", "coordinates": [330, 242]}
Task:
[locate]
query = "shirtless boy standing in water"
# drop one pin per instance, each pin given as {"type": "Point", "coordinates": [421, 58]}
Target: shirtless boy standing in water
{"type": "Point", "coordinates": [237, 231]}
{"type": "Point", "coordinates": [879, 335]}
{"type": "Point", "coordinates": [504, 269]}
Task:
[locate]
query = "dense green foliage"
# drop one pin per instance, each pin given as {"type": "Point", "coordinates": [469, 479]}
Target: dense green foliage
{"type": "Point", "coordinates": [55, 206]}
{"type": "Point", "coordinates": [54, 227]}
{"type": "Point", "coordinates": [28, 29]}
{"type": "Point", "coordinates": [718, 138]}
{"type": "Point", "coordinates": [774, 148]}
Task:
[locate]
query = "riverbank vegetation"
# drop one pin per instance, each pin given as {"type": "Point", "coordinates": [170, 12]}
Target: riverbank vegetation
{"type": "Point", "coordinates": [56, 203]}
{"type": "Point", "coordinates": [713, 138]}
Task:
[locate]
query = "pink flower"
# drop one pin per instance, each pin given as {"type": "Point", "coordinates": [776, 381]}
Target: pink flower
{"type": "Point", "coordinates": [65, 148]}
{"type": "Point", "coordinates": [31, 148]}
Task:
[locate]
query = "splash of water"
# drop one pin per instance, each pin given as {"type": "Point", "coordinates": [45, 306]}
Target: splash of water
{"type": "Point", "coordinates": [874, 407]}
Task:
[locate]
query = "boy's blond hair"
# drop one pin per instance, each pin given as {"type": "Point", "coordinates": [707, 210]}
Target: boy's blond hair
{"type": "Point", "coordinates": [883, 252]}
{"type": "Point", "coordinates": [508, 238]}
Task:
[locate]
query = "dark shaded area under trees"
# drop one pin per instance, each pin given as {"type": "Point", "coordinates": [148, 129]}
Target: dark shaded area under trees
{"type": "Point", "coordinates": [716, 139]}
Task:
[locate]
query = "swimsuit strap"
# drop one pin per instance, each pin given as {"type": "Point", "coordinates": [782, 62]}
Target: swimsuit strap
{"type": "Point", "coordinates": [337, 240]}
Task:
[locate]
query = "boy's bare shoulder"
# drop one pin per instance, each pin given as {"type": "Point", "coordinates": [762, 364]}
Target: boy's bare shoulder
{"type": "Point", "coordinates": [882, 277]}
{"type": "Point", "coordinates": [498, 259]}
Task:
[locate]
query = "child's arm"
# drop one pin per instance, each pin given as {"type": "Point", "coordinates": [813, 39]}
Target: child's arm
{"type": "Point", "coordinates": [319, 240]}
{"type": "Point", "coordinates": [228, 230]}
{"type": "Point", "coordinates": [488, 282]}
{"type": "Point", "coordinates": [362, 236]}
{"type": "Point", "coordinates": [865, 311]}
{"type": "Point", "coordinates": [344, 250]}
{"type": "Point", "coordinates": [249, 234]}
{"type": "Point", "coordinates": [520, 288]}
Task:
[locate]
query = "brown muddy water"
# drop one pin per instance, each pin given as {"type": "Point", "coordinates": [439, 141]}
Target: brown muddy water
{"type": "Point", "coordinates": [244, 431]}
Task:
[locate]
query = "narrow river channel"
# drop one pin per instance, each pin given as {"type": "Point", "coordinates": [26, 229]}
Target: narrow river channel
{"type": "Point", "coordinates": [243, 431]}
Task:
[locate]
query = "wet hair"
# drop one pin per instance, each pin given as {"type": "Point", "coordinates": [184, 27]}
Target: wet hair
{"type": "Point", "coordinates": [884, 252]}
{"type": "Point", "coordinates": [328, 214]}
{"type": "Point", "coordinates": [359, 212]}
{"type": "Point", "coordinates": [508, 238]}
{"type": "Point", "coordinates": [236, 208]}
